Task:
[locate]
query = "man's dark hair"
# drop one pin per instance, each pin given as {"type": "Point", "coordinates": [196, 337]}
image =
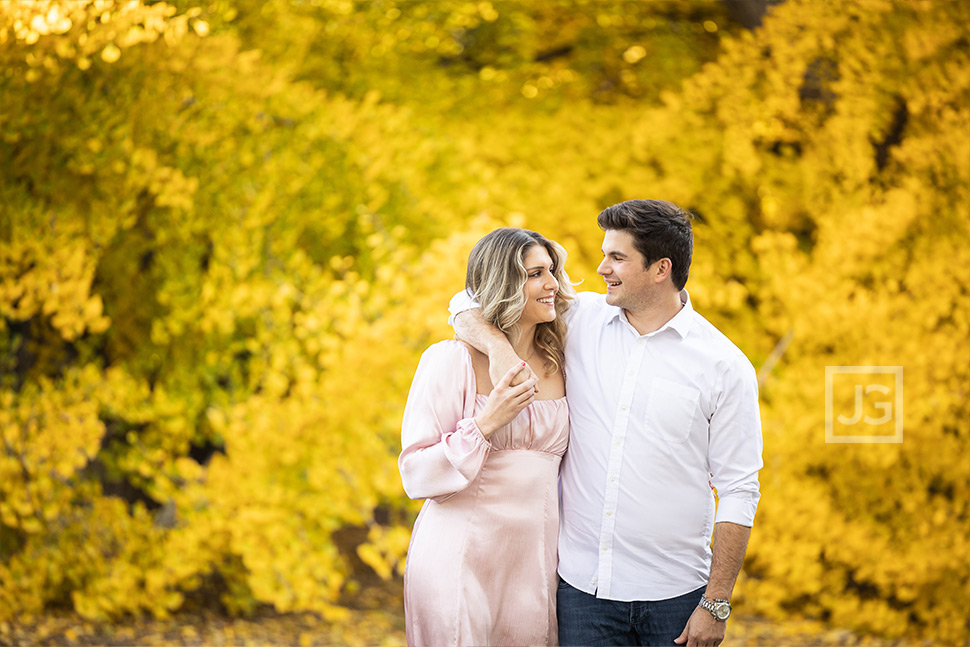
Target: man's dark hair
{"type": "Point", "coordinates": [660, 229]}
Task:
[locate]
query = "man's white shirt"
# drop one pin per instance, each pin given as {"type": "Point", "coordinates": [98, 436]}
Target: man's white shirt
{"type": "Point", "coordinates": [656, 421]}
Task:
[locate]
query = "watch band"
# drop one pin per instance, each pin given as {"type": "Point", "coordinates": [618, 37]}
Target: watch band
{"type": "Point", "coordinates": [720, 609]}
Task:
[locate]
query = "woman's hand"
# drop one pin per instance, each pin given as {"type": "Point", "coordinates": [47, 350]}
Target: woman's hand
{"type": "Point", "coordinates": [506, 401]}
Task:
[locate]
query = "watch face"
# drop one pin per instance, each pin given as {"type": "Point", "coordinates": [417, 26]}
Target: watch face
{"type": "Point", "coordinates": [723, 611]}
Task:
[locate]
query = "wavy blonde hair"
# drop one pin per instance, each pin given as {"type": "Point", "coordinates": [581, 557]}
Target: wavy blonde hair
{"type": "Point", "coordinates": [496, 278]}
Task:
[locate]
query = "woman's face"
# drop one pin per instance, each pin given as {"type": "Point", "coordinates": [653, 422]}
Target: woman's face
{"type": "Point", "coordinates": [540, 288]}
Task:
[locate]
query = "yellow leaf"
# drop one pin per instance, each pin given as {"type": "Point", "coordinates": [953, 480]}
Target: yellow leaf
{"type": "Point", "coordinates": [110, 53]}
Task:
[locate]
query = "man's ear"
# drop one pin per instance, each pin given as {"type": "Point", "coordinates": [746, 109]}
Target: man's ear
{"type": "Point", "coordinates": [663, 269]}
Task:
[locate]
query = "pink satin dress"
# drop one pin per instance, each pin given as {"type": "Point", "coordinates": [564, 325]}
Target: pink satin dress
{"type": "Point", "coordinates": [481, 567]}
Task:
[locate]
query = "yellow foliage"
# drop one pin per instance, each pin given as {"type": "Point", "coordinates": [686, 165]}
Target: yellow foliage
{"type": "Point", "coordinates": [229, 228]}
{"type": "Point", "coordinates": [385, 550]}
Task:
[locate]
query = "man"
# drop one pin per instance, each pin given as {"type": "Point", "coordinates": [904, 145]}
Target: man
{"type": "Point", "coordinates": [662, 408]}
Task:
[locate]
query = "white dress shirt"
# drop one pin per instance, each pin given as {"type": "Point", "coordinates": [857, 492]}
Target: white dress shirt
{"type": "Point", "coordinates": [656, 422]}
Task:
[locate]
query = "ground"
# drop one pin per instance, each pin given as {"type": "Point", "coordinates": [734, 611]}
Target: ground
{"type": "Point", "coordinates": [378, 619]}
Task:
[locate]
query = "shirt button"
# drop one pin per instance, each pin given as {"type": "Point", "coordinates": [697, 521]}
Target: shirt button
{"type": "Point", "coordinates": [606, 547]}
{"type": "Point", "coordinates": [612, 480]}
{"type": "Point", "coordinates": [623, 408]}
{"type": "Point", "coordinates": [609, 514]}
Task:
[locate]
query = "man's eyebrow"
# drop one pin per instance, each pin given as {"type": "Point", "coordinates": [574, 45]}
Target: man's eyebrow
{"type": "Point", "coordinates": [613, 253]}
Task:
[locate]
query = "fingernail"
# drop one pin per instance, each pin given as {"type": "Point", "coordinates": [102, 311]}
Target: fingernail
{"type": "Point", "coordinates": [523, 363]}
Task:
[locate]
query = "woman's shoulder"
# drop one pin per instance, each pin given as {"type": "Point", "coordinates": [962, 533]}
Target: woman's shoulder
{"type": "Point", "coordinates": [454, 362]}
{"type": "Point", "coordinates": [446, 351]}
{"type": "Point", "coordinates": [447, 347]}
{"type": "Point", "coordinates": [443, 364]}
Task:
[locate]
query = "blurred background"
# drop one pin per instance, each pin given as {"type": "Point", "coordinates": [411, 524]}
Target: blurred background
{"type": "Point", "coordinates": [228, 229]}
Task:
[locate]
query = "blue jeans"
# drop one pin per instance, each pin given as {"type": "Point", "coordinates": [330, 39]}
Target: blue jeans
{"type": "Point", "coordinates": [585, 619]}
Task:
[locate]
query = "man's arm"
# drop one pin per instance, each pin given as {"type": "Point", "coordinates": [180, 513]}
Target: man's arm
{"type": "Point", "coordinates": [735, 458]}
{"type": "Point", "coordinates": [471, 328]}
{"type": "Point", "coordinates": [728, 547]}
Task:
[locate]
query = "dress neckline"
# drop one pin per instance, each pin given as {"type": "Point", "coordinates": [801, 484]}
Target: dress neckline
{"type": "Point", "coordinates": [468, 356]}
{"type": "Point", "coordinates": [562, 399]}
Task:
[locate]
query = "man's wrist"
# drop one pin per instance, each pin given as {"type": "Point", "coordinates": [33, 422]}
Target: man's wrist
{"type": "Point", "coordinates": [497, 347]}
{"type": "Point", "coordinates": [720, 608]}
{"type": "Point", "coordinates": [716, 593]}
{"type": "Point", "coordinates": [493, 345]}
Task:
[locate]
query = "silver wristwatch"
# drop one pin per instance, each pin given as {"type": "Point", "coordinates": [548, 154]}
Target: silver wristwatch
{"type": "Point", "coordinates": [720, 609]}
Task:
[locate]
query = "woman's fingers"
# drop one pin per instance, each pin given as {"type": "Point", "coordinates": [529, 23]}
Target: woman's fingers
{"type": "Point", "coordinates": [505, 401]}
{"type": "Point", "coordinates": [523, 394]}
{"type": "Point", "coordinates": [522, 375]}
{"type": "Point", "coordinates": [510, 374]}
{"type": "Point", "coordinates": [529, 386]}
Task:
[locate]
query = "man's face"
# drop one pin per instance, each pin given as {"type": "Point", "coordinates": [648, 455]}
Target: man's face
{"type": "Point", "coordinates": [629, 284]}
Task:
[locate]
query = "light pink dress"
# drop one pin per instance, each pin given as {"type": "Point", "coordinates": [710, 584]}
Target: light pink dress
{"type": "Point", "coordinates": [481, 568]}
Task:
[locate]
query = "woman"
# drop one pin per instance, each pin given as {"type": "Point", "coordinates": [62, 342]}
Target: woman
{"type": "Point", "coordinates": [481, 567]}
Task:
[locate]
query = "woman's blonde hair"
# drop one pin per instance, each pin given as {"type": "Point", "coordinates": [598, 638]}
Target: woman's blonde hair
{"type": "Point", "coordinates": [496, 278]}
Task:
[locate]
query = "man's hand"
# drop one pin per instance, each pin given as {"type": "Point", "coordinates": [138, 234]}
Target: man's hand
{"type": "Point", "coordinates": [702, 630]}
{"type": "Point", "coordinates": [728, 546]}
{"type": "Point", "coordinates": [471, 328]}
{"type": "Point", "coordinates": [502, 359]}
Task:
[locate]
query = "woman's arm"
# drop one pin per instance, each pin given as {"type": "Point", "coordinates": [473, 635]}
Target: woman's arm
{"type": "Point", "coordinates": [443, 449]}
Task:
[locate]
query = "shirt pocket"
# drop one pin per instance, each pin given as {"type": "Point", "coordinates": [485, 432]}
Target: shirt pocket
{"type": "Point", "coordinates": [671, 409]}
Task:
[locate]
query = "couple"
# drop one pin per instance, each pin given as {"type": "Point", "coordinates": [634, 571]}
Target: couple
{"type": "Point", "coordinates": [662, 409]}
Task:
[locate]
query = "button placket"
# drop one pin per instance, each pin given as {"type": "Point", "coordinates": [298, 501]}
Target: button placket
{"type": "Point", "coordinates": [614, 464]}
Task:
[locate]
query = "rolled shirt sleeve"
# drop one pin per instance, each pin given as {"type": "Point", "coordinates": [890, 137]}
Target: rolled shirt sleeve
{"type": "Point", "coordinates": [459, 303]}
{"type": "Point", "coordinates": [443, 450]}
{"type": "Point", "coordinates": [736, 444]}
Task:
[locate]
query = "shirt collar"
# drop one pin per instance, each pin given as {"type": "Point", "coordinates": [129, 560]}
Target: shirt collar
{"type": "Point", "coordinates": [679, 323]}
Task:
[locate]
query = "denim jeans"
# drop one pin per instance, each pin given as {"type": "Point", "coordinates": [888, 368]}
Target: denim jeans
{"type": "Point", "coordinates": [585, 619]}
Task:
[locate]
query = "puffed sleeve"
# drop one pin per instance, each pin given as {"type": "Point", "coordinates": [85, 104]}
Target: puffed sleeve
{"type": "Point", "coordinates": [443, 449]}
